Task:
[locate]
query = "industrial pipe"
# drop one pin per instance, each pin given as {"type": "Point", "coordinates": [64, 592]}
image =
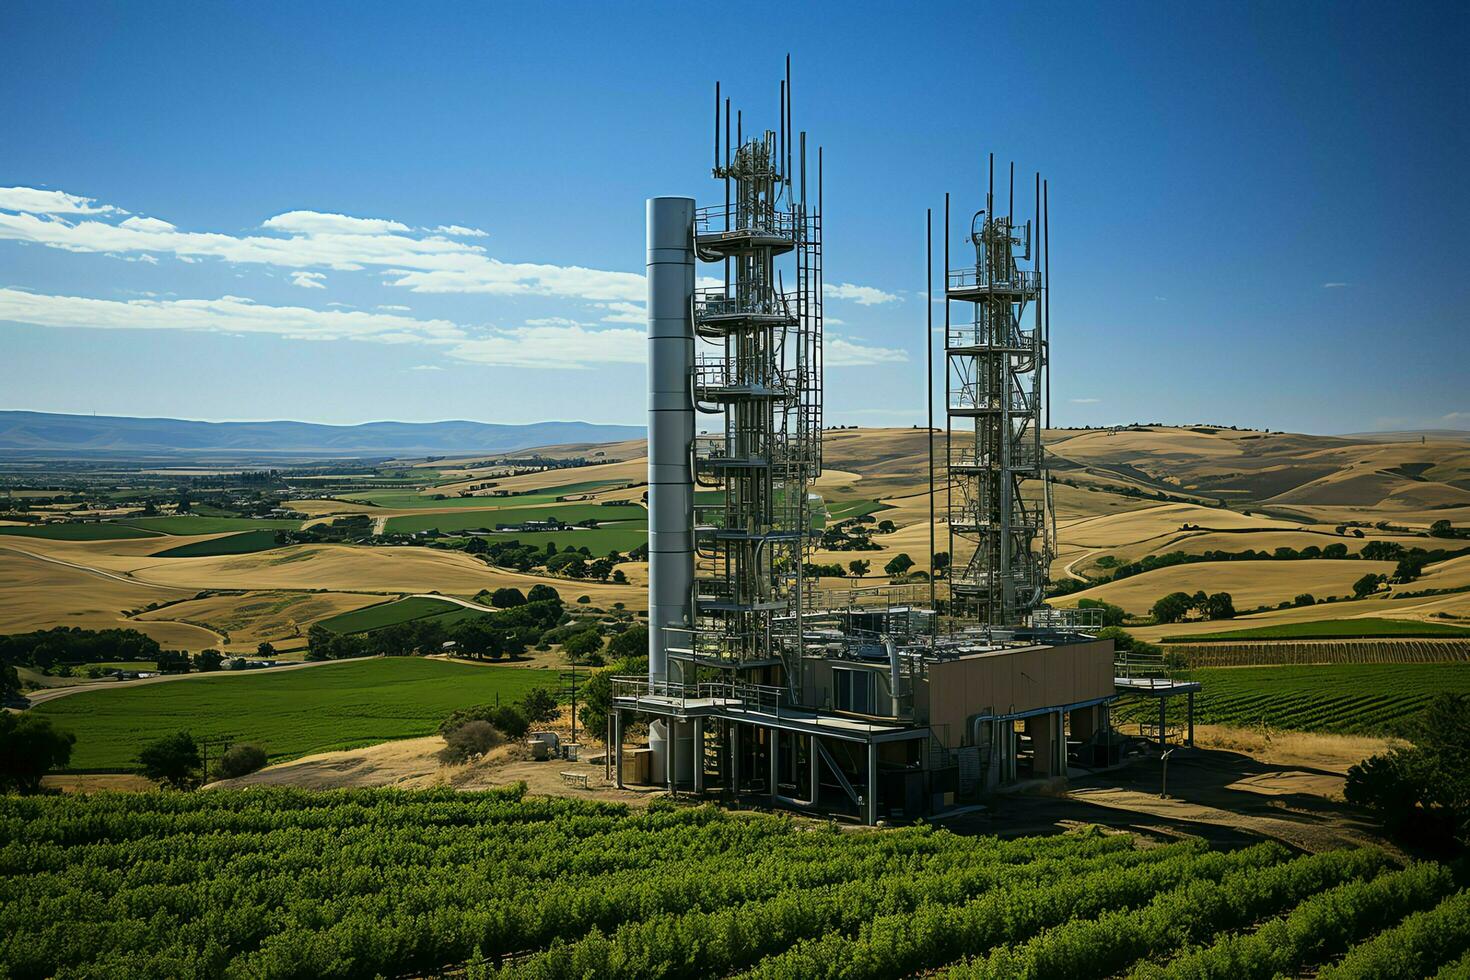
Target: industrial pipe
{"type": "Point", "coordinates": [670, 425]}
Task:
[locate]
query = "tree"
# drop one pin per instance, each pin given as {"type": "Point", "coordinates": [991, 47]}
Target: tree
{"type": "Point", "coordinates": [886, 527]}
{"type": "Point", "coordinates": [240, 760]}
{"type": "Point", "coordinates": [580, 645]}
{"type": "Point", "coordinates": [476, 638]}
{"type": "Point", "coordinates": [539, 704]}
{"type": "Point", "coordinates": [1220, 605]}
{"type": "Point", "coordinates": [265, 651]}
{"type": "Point", "coordinates": [206, 661]}
{"type": "Point", "coordinates": [899, 565]}
{"type": "Point", "coordinates": [1441, 529]}
{"type": "Point", "coordinates": [1366, 585]}
{"type": "Point", "coordinates": [1305, 599]}
{"type": "Point", "coordinates": [506, 598]}
{"type": "Point", "coordinates": [541, 593]}
{"type": "Point", "coordinates": [172, 662]}
{"type": "Point", "coordinates": [941, 563]}
{"type": "Point", "coordinates": [476, 546]}
{"type": "Point", "coordinates": [1111, 615]}
{"type": "Point", "coordinates": [859, 567]}
{"type": "Point", "coordinates": [629, 643]}
{"type": "Point", "coordinates": [30, 746]}
{"type": "Point", "coordinates": [1422, 793]}
{"type": "Point", "coordinates": [601, 569]}
{"type": "Point", "coordinates": [619, 577]}
{"type": "Point", "coordinates": [1172, 607]}
{"type": "Point", "coordinates": [173, 759]}
{"type": "Point", "coordinates": [1335, 551]}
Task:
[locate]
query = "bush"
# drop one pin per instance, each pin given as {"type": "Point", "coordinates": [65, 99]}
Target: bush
{"type": "Point", "coordinates": [582, 644]}
{"type": "Point", "coordinates": [510, 720]}
{"type": "Point", "coordinates": [469, 741]}
{"type": "Point", "coordinates": [30, 747]}
{"type": "Point", "coordinates": [240, 760]}
{"type": "Point", "coordinates": [541, 593]}
{"type": "Point", "coordinates": [506, 598]}
{"type": "Point", "coordinates": [1172, 607]}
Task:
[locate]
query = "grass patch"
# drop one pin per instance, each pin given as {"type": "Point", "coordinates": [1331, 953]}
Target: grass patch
{"type": "Point", "coordinates": [391, 614]}
{"type": "Point", "coordinates": [79, 532]}
{"type": "Point", "coordinates": [488, 518]}
{"type": "Point", "coordinates": [623, 536]}
{"type": "Point", "coordinates": [403, 500]}
{"type": "Point", "coordinates": [288, 713]}
{"type": "Point", "coordinates": [1333, 629]}
{"type": "Point", "coordinates": [193, 524]}
{"type": "Point", "coordinates": [244, 543]}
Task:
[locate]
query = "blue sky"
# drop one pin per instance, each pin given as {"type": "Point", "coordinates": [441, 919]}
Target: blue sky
{"type": "Point", "coordinates": [1258, 210]}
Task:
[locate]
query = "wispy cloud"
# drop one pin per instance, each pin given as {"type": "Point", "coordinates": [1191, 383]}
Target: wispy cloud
{"type": "Point", "coordinates": [460, 231]}
{"type": "Point", "coordinates": [1335, 285]}
{"type": "Point", "coordinates": [426, 367]}
{"type": "Point", "coordinates": [862, 295]}
{"type": "Point", "coordinates": [840, 352]}
{"type": "Point", "coordinates": [32, 200]}
{"type": "Point", "coordinates": [308, 240]}
{"type": "Point", "coordinates": [394, 309]}
{"type": "Point", "coordinates": [308, 280]}
{"type": "Point", "coordinates": [1084, 401]}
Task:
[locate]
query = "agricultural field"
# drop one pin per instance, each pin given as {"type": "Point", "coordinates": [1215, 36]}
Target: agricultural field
{"type": "Point", "coordinates": [488, 519]}
{"type": "Point", "coordinates": [392, 883]}
{"type": "Point", "coordinates": [78, 532]}
{"type": "Point", "coordinates": [1333, 629]}
{"type": "Point", "coordinates": [426, 497]}
{"type": "Point", "coordinates": [1252, 583]}
{"type": "Point", "coordinates": [242, 543]}
{"type": "Point", "coordinates": [189, 524]}
{"type": "Point", "coordinates": [393, 613]}
{"type": "Point", "coordinates": [288, 712]}
{"type": "Point", "coordinates": [1342, 699]}
{"type": "Point", "coordinates": [250, 618]}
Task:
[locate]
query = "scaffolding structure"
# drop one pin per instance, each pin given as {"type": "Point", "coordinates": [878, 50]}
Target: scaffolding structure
{"type": "Point", "coordinates": [1001, 529]}
{"type": "Point", "coordinates": [758, 374]}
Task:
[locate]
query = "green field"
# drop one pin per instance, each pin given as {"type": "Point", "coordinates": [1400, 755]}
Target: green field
{"type": "Point", "coordinates": [487, 519]}
{"type": "Point", "coordinates": [79, 532]}
{"type": "Point", "coordinates": [404, 500]}
{"type": "Point", "coordinates": [276, 883]}
{"type": "Point", "coordinates": [623, 536]}
{"type": "Point", "coordinates": [398, 611]}
{"type": "Point", "coordinates": [243, 543]}
{"type": "Point", "coordinates": [287, 712]}
{"type": "Point", "coordinates": [191, 524]}
{"type": "Point", "coordinates": [1333, 629]}
{"type": "Point", "coordinates": [1345, 699]}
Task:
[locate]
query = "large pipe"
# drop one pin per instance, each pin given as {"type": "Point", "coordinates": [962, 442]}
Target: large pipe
{"type": "Point", "coordinates": [670, 425]}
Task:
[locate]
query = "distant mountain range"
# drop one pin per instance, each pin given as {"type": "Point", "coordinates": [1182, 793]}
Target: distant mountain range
{"type": "Point", "coordinates": [45, 435]}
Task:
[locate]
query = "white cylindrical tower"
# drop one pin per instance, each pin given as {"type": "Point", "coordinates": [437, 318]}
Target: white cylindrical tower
{"type": "Point", "coordinates": [670, 424]}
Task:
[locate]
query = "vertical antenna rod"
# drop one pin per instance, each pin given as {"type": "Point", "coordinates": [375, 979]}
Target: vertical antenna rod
{"type": "Point", "coordinates": [929, 363]}
{"type": "Point", "coordinates": [948, 452]}
{"type": "Point", "coordinates": [1046, 296]}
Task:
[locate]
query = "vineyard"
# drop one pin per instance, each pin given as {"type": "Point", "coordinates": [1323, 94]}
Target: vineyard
{"type": "Point", "coordinates": [1321, 652]}
{"type": "Point", "coordinates": [283, 883]}
{"type": "Point", "coordinates": [1341, 699]}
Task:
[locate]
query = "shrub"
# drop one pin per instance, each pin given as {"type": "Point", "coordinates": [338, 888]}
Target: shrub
{"type": "Point", "coordinates": [469, 741]}
{"type": "Point", "coordinates": [539, 704]}
{"type": "Point", "coordinates": [240, 760]}
{"type": "Point", "coordinates": [173, 760]}
{"type": "Point", "coordinates": [541, 593]}
{"type": "Point", "coordinates": [506, 598]}
{"type": "Point", "coordinates": [510, 720]}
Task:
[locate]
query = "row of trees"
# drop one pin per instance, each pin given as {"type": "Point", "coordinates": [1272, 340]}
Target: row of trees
{"type": "Point", "coordinates": [1177, 605]}
{"type": "Point", "coordinates": [509, 632]}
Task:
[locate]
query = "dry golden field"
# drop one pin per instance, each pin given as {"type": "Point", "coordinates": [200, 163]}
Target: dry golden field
{"type": "Point", "coordinates": [1280, 490]}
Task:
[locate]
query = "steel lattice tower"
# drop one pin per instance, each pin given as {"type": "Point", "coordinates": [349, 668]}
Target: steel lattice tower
{"type": "Point", "coordinates": [759, 370]}
{"type": "Point", "coordinates": [1001, 538]}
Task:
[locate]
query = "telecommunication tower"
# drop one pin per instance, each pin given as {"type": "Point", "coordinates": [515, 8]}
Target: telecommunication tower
{"type": "Point", "coordinates": [999, 504]}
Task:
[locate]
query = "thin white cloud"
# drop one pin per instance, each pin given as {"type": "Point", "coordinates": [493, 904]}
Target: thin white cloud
{"type": "Point", "coordinates": [146, 224]}
{"type": "Point", "coordinates": [228, 314]}
{"type": "Point", "coordinates": [426, 367]}
{"type": "Point", "coordinates": [308, 280]}
{"type": "Point", "coordinates": [394, 309]}
{"type": "Point", "coordinates": [625, 313]}
{"type": "Point", "coordinates": [838, 352]}
{"type": "Point", "coordinates": [460, 231]}
{"type": "Point", "coordinates": [862, 295]}
{"type": "Point", "coordinates": [1084, 401]}
{"type": "Point", "coordinates": [554, 343]}
{"type": "Point", "coordinates": [319, 223]}
{"type": "Point", "coordinates": [32, 200]}
{"type": "Point", "coordinates": [308, 240]}
{"type": "Point", "coordinates": [832, 321]}
{"type": "Point", "coordinates": [1335, 285]}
